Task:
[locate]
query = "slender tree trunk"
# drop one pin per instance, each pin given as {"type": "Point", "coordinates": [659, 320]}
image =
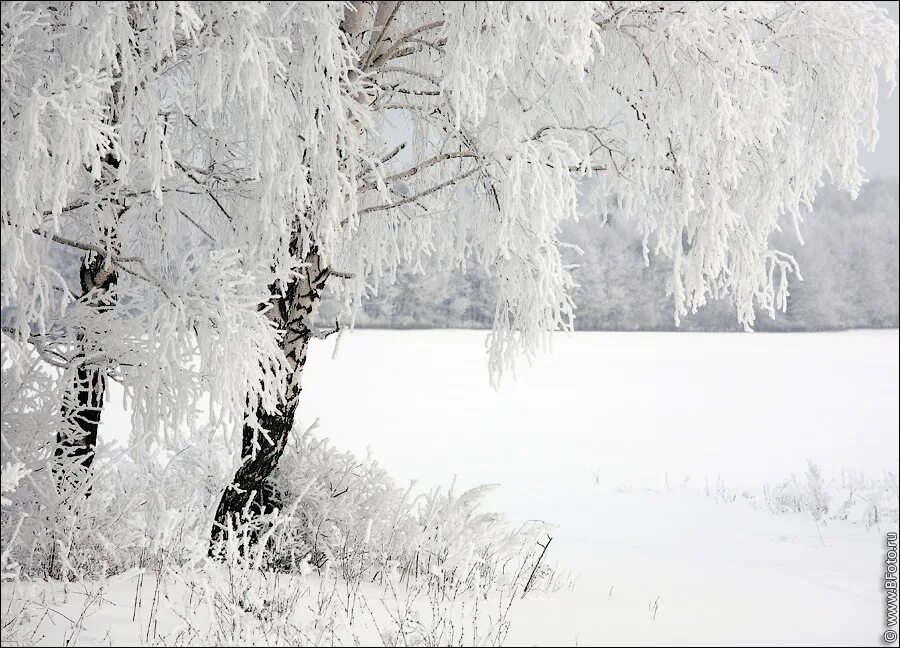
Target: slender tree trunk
{"type": "Point", "coordinates": [81, 412]}
{"type": "Point", "coordinates": [76, 440]}
{"type": "Point", "coordinates": [251, 491]}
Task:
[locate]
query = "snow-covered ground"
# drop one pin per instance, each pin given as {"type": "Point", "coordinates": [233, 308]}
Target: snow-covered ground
{"type": "Point", "coordinates": [635, 446]}
{"type": "Point", "coordinates": [599, 437]}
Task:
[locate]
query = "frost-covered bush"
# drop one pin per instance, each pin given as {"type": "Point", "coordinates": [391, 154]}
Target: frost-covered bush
{"type": "Point", "coordinates": [850, 496]}
{"type": "Point", "coordinates": [349, 515]}
{"type": "Point", "coordinates": [347, 541]}
{"type": "Point", "coordinates": [342, 515]}
{"type": "Point", "coordinates": [64, 521]}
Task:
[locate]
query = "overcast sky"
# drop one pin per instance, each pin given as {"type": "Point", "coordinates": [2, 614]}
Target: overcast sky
{"type": "Point", "coordinates": [883, 161]}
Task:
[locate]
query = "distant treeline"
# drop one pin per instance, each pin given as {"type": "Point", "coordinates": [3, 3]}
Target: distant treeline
{"type": "Point", "coordinates": [849, 265]}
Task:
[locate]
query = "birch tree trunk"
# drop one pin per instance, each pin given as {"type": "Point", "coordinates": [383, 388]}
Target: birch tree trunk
{"type": "Point", "coordinates": [82, 403]}
{"type": "Point", "coordinates": [251, 493]}
{"type": "Point", "coordinates": [76, 440]}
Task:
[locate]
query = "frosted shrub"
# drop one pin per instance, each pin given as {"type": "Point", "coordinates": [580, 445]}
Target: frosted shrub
{"type": "Point", "coordinates": [868, 501]}
{"type": "Point", "coordinates": [303, 575]}
{"type": "Point", "coordinates": [817, 498]}
{"type": "Point", "coordinates": [852, 497]}
{"type": "Point", "coordinates": [350, 516]}
{"type": "Point", "coordinates": [12, 475]}
{"type": "Point", "coordinates": [70, 523]}
{"type": "Point", "coordinates": [343, 515]}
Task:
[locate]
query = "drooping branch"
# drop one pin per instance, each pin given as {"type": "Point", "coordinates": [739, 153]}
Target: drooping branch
{"type": "Point", "coordinates": [421, 194]}
{"type": "Point", "coordinates": [421, 166]}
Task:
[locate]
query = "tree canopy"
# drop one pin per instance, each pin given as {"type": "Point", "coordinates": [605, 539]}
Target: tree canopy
{"type": "Point", "coordinates": [203, 150]}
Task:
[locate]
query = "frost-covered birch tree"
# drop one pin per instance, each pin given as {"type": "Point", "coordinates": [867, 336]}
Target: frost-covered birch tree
{"type": "Point", "coordinates": [467, 127]}
{"type": "Point", "coordinates": [126, 178]}
{"type": "Point", "coordinates": [271, 152]}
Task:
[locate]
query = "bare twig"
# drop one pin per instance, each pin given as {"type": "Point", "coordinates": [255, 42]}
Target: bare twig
{"type": "Point", "coordinates": [536, 565]}
{"type": "Point", "coordinates": [206, 190]}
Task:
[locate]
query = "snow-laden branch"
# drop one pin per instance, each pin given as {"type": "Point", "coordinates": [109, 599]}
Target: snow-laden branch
{"type": "Point", "coordinates": [427, 192]}
{"type": "Point", "coordinates": [421, 166]}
